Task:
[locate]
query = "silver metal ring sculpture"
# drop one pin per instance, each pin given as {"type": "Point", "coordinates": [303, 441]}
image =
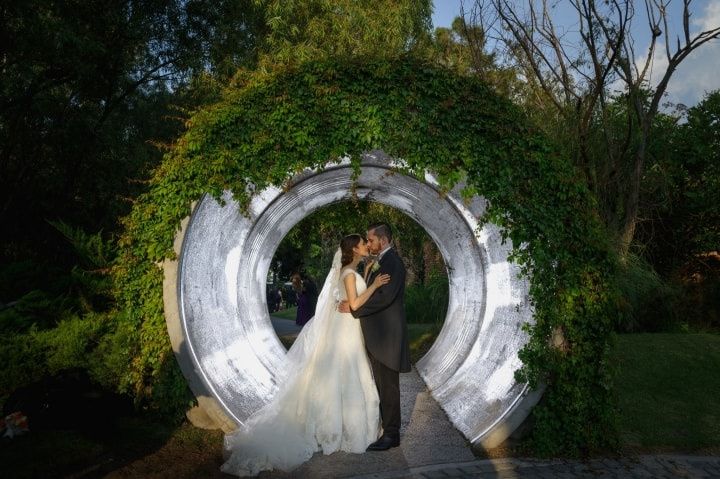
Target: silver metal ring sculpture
{"type": "Point", "coordinates": [215, 298]}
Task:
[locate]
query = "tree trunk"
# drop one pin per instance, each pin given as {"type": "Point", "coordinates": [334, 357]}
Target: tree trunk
{"type": "Point", "coordinates": [632, 201]}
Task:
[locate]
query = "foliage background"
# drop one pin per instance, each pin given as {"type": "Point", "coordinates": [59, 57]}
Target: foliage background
{"type": "Point", "coordinates": [274, 124]}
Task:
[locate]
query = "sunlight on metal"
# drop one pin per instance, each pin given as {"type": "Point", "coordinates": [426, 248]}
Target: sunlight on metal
{"type": "Point", "coordinates": [229, 347]}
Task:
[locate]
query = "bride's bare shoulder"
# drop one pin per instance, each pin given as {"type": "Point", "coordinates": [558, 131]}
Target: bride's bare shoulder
{"type": "Point", "coordinates": [346, 272]}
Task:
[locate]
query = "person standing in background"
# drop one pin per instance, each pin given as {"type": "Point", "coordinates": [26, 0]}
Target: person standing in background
{"type": "Point", "coordinates": [306, 295]}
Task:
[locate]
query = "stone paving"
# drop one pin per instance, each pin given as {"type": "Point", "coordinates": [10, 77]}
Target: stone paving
{"type": "Point", "coordinates": [284, 327]}
{"type": "Point", "coordinates": [657, 466]}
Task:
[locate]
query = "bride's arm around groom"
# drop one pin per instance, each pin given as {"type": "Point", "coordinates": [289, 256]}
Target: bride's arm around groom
{"type": "Point", "coordinates": [356, 300]}
{"type": "Point", "coordinates": [382, 316]}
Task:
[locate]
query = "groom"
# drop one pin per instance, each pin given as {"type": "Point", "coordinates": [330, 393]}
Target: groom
{"type": "Point", "coordinates": [382, 319]}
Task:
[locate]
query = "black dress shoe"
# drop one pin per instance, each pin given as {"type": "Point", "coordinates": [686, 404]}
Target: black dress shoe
{"type": "Point", "coordinates": [384, 443]}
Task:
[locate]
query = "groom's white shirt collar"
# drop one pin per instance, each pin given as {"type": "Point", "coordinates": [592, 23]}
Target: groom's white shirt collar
{"type": "Point", "coordinates": [385, 250]}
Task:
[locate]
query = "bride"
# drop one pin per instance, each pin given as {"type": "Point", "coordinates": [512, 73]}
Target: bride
{"type": "Point", "coordinates": [328, 400]}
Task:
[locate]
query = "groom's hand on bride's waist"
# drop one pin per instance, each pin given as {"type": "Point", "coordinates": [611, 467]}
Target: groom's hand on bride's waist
{"type": "Point", "coordinates": [343, 307]}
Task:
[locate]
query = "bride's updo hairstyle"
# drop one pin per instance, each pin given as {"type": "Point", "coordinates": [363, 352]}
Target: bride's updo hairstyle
{"type": "Point", "coordinates": [346, 248]}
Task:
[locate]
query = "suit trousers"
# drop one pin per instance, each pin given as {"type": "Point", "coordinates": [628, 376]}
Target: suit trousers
{"type": "Point", "coordinates": [388, 384]}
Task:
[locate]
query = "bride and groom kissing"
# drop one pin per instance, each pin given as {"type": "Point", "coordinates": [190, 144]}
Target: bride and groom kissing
{"type": "Point", "coordinates": [341, 389]}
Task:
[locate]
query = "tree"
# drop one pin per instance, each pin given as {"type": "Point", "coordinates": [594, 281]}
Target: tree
{"type": "Point", "coordinates": [314, 29]}
{"type": "Point", "coordinates": [87, 89]}
{"type": "Point", "coordinates": [462, 48]}
{"type": "Point", "coordinates": [570, 79]}
{"type": "Point", "coordinates": [682, 187]}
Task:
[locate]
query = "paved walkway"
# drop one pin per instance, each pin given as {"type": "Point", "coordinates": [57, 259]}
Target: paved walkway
{"type": "Point", "coordinates": [284, 327]}
{"type": "Point", "coordinates": [658, 466]}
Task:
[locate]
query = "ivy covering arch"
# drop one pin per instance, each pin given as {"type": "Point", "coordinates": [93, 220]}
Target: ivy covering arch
{"type": "Point", "coordinates": [272, 125]}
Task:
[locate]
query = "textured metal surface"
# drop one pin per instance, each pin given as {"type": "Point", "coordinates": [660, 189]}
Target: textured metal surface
{"type": "Point", "coordinates": [230, 348]}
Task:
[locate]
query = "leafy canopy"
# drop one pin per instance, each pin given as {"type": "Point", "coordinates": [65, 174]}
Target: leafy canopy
{"type": "Point", "coordinates": [300, 30]}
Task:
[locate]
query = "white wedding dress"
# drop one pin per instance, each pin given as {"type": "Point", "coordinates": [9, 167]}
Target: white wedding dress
{"type": "Point", "coordinates": [327, 400]}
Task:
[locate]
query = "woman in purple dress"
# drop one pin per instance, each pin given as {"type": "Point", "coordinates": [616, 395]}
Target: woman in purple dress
{"type": "Point", "coordinates": [306, 295]}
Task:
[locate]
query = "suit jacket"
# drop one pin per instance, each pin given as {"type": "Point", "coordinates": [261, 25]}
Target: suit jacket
{"type": "Point", "coordinates": [382, 317]}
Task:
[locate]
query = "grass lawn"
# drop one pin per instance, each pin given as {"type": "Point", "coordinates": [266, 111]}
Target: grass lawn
{"type": "Point", "coordinates": [289, 313]}
{"type": "Point", "coordinates": [421, 338]}
{"type": "Point", "coordinates": [669, 392]}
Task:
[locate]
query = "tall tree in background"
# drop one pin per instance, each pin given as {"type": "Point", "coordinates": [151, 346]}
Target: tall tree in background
{"type": "Point", "coordinates": [570, 80]}
{"type": "Point", "coordinates": [86, 88]}
{"type": "Point", "coordinates": [300, 30]}
{"type": "Point", "coordinates": [682, 228]}
{"type": "Point", "coordinates": [463, 48]}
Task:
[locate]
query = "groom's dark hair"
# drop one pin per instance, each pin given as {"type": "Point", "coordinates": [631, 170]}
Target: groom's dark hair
{"type": "Point", "coordinates": [381, 229]}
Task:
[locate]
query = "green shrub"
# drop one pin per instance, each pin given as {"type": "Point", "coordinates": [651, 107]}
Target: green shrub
{"type": "Point", "coordinates": [17, 278]}
{"type": "Point", "coordinates": [23, 360]}
{"type": "Point", "coordinates": [36, 308]}
{"type": "Point", "coordinates": [648, 303]}
{"type": "Point", "coordinates": [69, 325]}
{"type": "Point", "coordinates": [72, 343]}
{"type": "Point", "coordinates": [427, 303]}
{"type": "Point", "coordinates": [31, 355]}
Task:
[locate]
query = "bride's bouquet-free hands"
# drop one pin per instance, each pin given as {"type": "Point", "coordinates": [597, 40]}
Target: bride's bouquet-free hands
{"type": "Point", "coordinates": [380, 280]}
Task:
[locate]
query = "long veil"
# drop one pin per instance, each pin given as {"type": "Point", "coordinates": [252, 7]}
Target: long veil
{"type": "Point", "coordinates": [276, 435]}
{"type": "Point", "coordinates": [315, 329]}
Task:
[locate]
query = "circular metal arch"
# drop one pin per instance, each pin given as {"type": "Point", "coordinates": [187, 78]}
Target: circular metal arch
{"type": "Point", "coordinates": [215, 297]}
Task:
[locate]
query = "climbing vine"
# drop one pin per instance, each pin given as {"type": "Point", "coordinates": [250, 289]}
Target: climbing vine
{"type": "Point", "coordinates": [271, 125]}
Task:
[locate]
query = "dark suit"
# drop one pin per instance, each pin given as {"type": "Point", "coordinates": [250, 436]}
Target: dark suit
{"type": "Point", "coordinates": [382, 319]}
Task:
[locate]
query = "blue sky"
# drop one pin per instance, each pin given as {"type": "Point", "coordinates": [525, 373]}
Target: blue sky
{"type": "Point", "coordinates": [699, 72]}
{"type": "Point", "coordinates": [445, 12]}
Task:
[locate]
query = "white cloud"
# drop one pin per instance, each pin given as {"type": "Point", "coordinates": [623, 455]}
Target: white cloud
{"type": "Point", "coordinates": [697, 75]}
{"type": "Point", "coordinates": [710, 18]}
{"type": "Point", "coordinates": [699, 72]}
